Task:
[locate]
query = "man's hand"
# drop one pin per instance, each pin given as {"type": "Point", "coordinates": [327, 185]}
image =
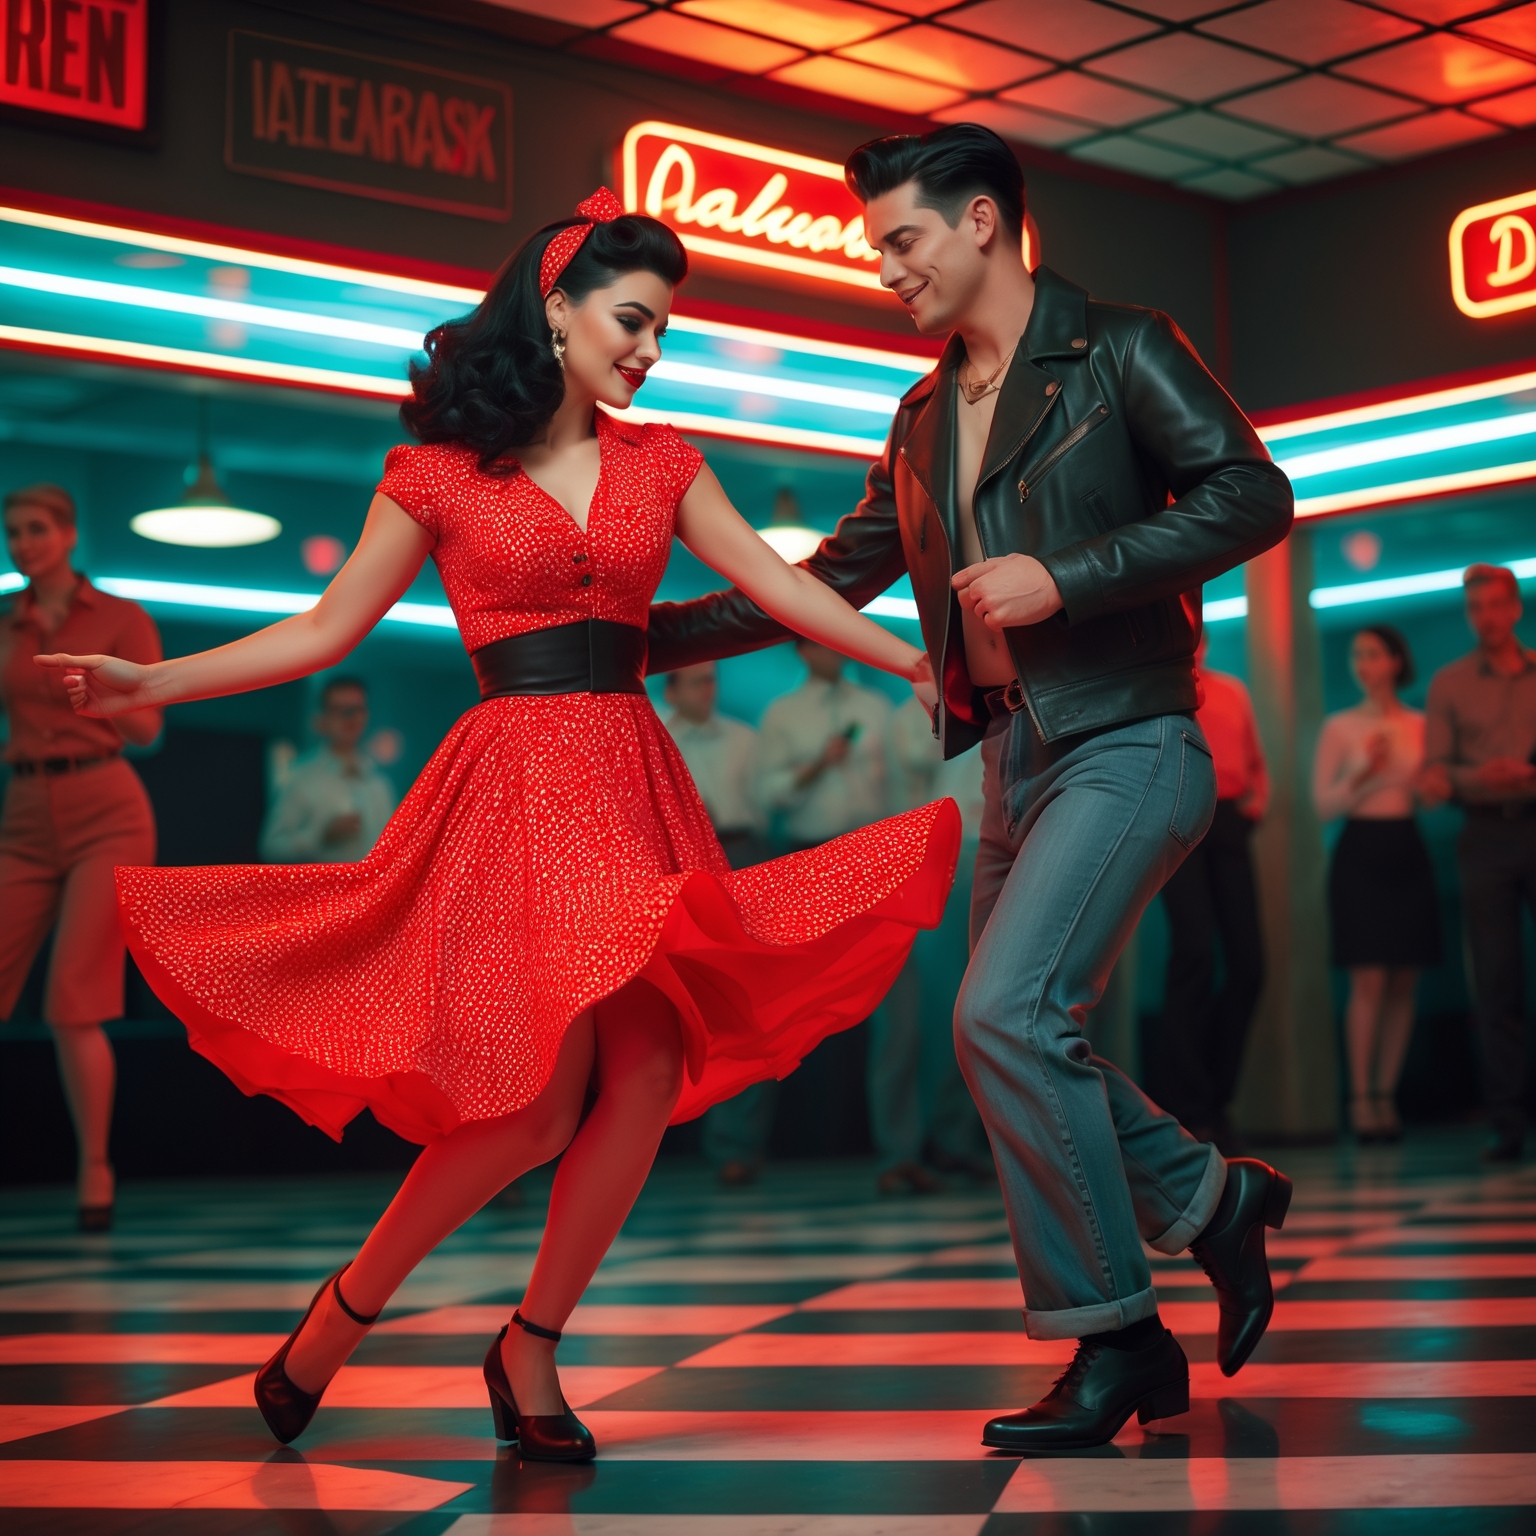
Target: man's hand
{"type": "Point", "coordinates": [1506, 776]}
{"type": "Point", "coordinates": [1008, 591]}
{"type": "Point", "coordinates": [341, 829]}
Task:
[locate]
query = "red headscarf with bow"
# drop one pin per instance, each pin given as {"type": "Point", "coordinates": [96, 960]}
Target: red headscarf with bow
{"type": "Point", "coordinates": [601, 208]}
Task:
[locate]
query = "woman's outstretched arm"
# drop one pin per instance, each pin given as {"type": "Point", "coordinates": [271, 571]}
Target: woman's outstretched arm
{"type": "Point", "coordinates": [717, 533]}
{"type": "Point", "coordinates": [383, 565]}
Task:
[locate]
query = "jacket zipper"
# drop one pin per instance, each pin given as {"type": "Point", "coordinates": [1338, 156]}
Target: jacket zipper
{"type": "Point", "coordinates": [1070, 441]}
{"type": "Point", "coordinates": [1034, 427]}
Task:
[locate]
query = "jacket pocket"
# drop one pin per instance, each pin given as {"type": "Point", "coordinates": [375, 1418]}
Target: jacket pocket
{"type": "Point", "coordinates": [1098, 511]}
{"type": "Point", "coordinates": [1032, 476]}
{"type": "Point", "coordinates": [1194, 805]}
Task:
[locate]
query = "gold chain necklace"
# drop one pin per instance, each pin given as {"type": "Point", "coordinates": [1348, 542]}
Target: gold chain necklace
{"type": "Point", "coordinates": [974, 390]}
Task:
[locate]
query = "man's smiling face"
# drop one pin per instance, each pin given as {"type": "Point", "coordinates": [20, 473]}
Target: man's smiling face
{"type": "Point", "coordinates": [935, 270]}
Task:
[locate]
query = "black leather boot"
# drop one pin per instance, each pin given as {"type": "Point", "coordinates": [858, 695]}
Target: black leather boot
{"type": "Point", "coordinates": [1231, 1252]}
{"type": "Point", "coordinates": [1094, 1397]}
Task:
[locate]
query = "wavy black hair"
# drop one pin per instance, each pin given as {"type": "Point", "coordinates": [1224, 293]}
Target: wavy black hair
{"type": "Point", "coordinates": [490, 380]}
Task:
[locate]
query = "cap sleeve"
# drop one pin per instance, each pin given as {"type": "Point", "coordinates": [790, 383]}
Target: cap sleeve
{"type": "Point", "coordinates": [680, 461]}
{"type": "Point", "coordinates": [409, 481]}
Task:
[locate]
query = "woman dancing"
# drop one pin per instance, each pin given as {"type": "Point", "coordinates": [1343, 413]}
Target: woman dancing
{"type": "Point", "coordinates": [549, 909]}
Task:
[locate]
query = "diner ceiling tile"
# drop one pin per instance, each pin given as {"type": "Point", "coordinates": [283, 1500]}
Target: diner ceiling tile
{"type": "Point", "coordinates": [579, 13]}
{"type": "Point", "coordinates": [1192, 68]}
{"type": "Point", "coordinates": [1060, 29]}
{"type": "Point", "coordinates": [1516, 110]}
{"type": "Point", "coordinates": [1418, 136]}
{"type": "Point", "coordinates": [860, 82]}
{"type": "Point", "coordinates": [1317, 106]}
{"type": "Point", "coordinates": [1441, 68]}
{"type": "Point", "coordinates": [1126, 152]}
{"type": "Point", "coordinates": [1310, 31]}
{"type": "Point", "coordinates": [1095, 101]}
{"type": "Point", "coordinates": [1016, 122]}
{"type": "Point", "coordinates": [1516, 27]}
{"type": "Point", "coordinates": [810, 23]}
{"type": "Point", "coordinates": [1180, 10]}
{"type": "Point", "coordinates": [949, 57]}
{"type": "Point", "coordinates": [1230, 184]}
{"type": "Point", "coordinates": [1221, 138]}
{"type": "Point", "coordinates": [667, 32]}
{"type": "Point", "coordinates": [1436, 12]}
{"type": "Point", "coordinates": [917, 7]}
{"type": "Point", "coordinates": [1314, 163]}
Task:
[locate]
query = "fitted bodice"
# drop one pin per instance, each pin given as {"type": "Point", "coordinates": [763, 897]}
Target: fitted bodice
{"type": "Point", "coordinates": [512, 559]}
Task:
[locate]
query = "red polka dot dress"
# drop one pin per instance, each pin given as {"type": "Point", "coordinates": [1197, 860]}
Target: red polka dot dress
{"type": "Point", "coordinates": [553, 857]}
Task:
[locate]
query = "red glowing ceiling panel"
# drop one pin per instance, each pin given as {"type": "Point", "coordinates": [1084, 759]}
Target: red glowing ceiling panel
{"type": "Point", "coordinates": [1493, 257]}
{"type": "Point", "coordinates": [810, 23]}
{"type": "Point", "coordinates": [1060, 29]}
{"type": "Point", "coordinates": [668, 32]}
{"type": "Point", "coordinates": [1317, 105]}
{"type": "Point", "coordinates": [1516, 110]}
{"type": "Point", "coordinates": [861, 82]}
{"type": "Point", "coordinates": [1436, 12]}
{"type": "Point", "coordinates": [1015, 122]}
{"type": "Point", "coordinates": [1192, 68]}
{"type": "Point", "coordinates": [952, 58]}
{"type": "Point", "coordinates": [1096, 101]}
{"type": "Point", "coordinates": [1516, 27]}
{"type": "Point", "coordinates": [1421, 135]}
{"type": "Point", "coordinates": [1442, 68]}
{"type": "Point", "coordinates": [1310, 31]}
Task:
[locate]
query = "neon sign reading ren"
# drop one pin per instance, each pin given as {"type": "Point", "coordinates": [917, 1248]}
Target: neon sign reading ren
{"type": "Point", "coordinates": [764, 207]}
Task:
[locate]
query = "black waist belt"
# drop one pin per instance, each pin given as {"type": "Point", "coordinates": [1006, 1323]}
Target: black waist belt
{"type": "Point", "coordinates": [29, 768]}
{"type": "Point", "coordinates": [590, 656]}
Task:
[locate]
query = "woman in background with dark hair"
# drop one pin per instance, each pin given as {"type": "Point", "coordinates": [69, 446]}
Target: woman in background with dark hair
{"type": "Point", "coordinates": [1381, 888]}
{"type": "Point", "coordinates": [549, 910]}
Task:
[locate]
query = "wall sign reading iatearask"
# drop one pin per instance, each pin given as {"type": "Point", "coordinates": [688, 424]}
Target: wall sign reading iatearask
{"type": "Point", "coordinates": [379, 128]}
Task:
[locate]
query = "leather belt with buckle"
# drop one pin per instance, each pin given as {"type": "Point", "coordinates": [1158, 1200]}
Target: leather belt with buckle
{"type": "Point", "coordinates": [1009, 698]}
{"type": "Point", "coordinates": [52, 767]}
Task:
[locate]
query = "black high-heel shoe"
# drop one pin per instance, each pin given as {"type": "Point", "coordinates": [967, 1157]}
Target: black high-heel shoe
{"type": "Point", "coordinates": [287, 1408]}
{"type": "Point", "coordinates": [542, 1437]}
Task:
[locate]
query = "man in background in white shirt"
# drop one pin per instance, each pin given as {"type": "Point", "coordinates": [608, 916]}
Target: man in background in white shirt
{"type": "Point", "coordinates": [721, 754]}
{"type": "Point", "coordinates": [335, 801]}
{"type": "Point", "coordinates": [827, 766]}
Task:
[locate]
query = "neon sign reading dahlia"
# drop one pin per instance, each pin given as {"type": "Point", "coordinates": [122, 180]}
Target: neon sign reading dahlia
{"type": "Point", "coordinates": [748, 203]}
{"type": "Point", "coordinates": [1493, 257]}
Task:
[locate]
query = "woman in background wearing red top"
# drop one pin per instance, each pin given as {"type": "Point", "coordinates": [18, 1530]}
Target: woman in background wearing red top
{"type": "Point", "coordinates": [1212, 893]}
{"type": "Point", "coordinates": [73, 810]}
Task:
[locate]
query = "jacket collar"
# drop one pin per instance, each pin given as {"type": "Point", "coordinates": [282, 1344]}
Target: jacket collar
{"type": "Point", "coordinates": [23, 609]}
{"type": "Point", "coordinates": [929, 449]}
{"type": "Point", "coordinates": [1058, 319]}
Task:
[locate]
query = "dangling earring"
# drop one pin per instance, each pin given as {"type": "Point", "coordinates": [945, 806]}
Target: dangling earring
{"type": "Point", "coordinates": [557, 346]}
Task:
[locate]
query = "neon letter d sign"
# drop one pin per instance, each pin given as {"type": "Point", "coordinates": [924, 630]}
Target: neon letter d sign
{"type": "Point", "coordinates": [1493, 257]}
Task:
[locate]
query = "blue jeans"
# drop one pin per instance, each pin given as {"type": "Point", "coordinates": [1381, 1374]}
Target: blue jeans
{"type": "Point", "coordinates": [1077, 838]}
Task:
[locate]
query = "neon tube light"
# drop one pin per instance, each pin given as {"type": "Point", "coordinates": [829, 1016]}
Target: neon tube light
{"type": "Point", "coordinates": [212, 309]}
{"type": "Point", "coordinates": [238, 256]}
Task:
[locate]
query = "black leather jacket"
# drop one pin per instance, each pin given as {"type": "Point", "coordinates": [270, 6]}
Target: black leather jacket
{"type": "Point", "coordinates": [1114, 458]}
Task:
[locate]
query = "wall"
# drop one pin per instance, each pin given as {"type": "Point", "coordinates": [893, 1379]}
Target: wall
{"type": "Point", "coordinates": [1347, 287]}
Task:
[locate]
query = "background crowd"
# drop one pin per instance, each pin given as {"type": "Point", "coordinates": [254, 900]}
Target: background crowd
{"type": "Point", "coordinates": [828, 757]}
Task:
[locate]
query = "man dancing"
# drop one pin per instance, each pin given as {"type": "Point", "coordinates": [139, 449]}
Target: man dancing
{"type": "Point", "coordinates": [1058, 488]}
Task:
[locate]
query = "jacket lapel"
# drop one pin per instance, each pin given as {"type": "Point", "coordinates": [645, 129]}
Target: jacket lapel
{"type": "Point", "coordinates": [929, 450]}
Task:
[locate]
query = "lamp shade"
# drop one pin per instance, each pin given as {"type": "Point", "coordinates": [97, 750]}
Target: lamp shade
{"type": "Point", "coordinates": [205, 518]}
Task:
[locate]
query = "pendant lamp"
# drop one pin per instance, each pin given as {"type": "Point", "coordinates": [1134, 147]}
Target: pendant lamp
{"type": "Point", "coordinates": [205, 517]}
{"type": "Point", "coordinates": [787, 534]}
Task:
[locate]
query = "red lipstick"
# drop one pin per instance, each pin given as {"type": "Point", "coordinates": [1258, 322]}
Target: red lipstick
{"type": "Point", "coordinates": [635, 376]}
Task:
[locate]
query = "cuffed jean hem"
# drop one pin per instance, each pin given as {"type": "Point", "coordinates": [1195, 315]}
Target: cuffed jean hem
{"type": "Point", "coordinates": [1198, 1212]}
{"type": "Point", "coordinates": [1101, 1317]}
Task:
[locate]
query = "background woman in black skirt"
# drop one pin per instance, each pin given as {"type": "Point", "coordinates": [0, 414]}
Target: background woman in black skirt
{"type": "Point", "coordinates": [1381, 888]}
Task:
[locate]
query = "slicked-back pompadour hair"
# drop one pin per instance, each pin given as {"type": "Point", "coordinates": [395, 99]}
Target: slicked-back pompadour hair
{"type": "Point", "coordinates": [950, 166]}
